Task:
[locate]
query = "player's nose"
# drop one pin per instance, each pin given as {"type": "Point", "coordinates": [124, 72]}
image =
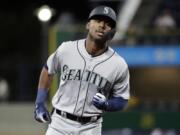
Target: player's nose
{"type": "Point", "coordinates": [102, 24]}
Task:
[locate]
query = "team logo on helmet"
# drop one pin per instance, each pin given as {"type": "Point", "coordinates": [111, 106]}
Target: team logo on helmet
{"type": "Point", "coordinates": [106, 10]}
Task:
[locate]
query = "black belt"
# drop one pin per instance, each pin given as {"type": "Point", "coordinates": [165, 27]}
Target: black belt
{"type": "Point", "coordinates": [76, 118]}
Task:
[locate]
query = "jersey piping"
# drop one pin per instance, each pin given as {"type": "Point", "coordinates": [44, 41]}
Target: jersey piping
{"type": "Point", "coordinates": [90, 76]}
{"type": "Point", "coordinates": [81, 77]}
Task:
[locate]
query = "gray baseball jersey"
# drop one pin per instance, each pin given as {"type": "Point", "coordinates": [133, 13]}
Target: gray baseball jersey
{"type": "Point", "coordinates": [82, 76]}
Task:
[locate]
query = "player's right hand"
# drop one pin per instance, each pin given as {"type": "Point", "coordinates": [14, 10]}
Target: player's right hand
{"type": "Point", "coordinates": [99, 100]}
{"type": "Point", "coordinates": [41, 114]}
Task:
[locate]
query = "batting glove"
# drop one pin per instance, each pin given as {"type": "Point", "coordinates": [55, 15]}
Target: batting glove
{"type": "Point", "coordinates": [99, 100]}
{"type": "Point", "coordinates": [41, 114]}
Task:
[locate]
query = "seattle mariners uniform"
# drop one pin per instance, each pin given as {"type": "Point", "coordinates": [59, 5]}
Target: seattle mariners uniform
{"type": "Point", "coordinates": [94, 79]}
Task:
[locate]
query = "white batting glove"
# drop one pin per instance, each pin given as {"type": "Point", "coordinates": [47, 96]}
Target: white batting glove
{"type": "Point", "coordinates": [99, 100]}
{"type": "Point", "coordinates": [41, 114]}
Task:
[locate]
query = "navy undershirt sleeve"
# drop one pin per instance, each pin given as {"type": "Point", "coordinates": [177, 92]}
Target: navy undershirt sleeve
{"type": "Point", "coordinates": [116, 104]}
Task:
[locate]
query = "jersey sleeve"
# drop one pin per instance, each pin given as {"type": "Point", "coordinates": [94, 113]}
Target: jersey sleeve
{"type": "Point", "coordinates": [54, 60]}
{"type": "Point", "coordinates": [121, 86]}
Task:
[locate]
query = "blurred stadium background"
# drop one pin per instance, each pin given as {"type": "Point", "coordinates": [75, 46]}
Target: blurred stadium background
{"type": "Point", "coordinates": [148, 37]}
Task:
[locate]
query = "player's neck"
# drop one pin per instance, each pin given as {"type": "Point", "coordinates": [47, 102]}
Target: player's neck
{"type": "Point", "coordinates": [94, 48]}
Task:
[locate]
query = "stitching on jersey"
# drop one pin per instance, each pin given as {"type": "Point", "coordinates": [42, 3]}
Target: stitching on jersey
{"type": "Point", "coordinates": [57, 70]}
{"type": "Point", "coordinates": [81, 77]}
{"type": "Point", "coordinates": [91, 75]}
{"type": "Point", "coordinates": [55, 67]}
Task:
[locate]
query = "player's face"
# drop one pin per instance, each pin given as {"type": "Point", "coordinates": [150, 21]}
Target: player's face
{"type": "Point", "coordinates": [98, 28]}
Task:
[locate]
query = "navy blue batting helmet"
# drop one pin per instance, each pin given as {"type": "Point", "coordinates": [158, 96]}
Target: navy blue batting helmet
{"type": "Point", "coordinates": [103, 11]}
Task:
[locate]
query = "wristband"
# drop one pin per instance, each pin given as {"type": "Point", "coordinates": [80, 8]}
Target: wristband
{"type": "Point", "coordinates": [41, 96]}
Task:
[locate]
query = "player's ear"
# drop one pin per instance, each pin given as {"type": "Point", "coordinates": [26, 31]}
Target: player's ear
{"type": "Point", "coordinates": [87, 26]}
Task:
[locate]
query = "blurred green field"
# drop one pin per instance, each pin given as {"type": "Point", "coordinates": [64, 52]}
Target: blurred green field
{"type": "Point", "coordinates": [17, 119]}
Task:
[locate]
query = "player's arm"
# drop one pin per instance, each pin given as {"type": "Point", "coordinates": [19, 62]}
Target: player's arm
{"type": "Point", "coordinates": [115, 104]}
{"type": "Point", "coordinates": [52, 67]}
{"type": "Point", "coordinates": [119, 98]}
{"type": "Point", "coordinates": [112, 104]}
{"type": "Point", "coordinates": [45, 79]}
{"type": "Point", "coordinates": [41, 113]}
{"type": "Point", "coordinates": [43, 86]}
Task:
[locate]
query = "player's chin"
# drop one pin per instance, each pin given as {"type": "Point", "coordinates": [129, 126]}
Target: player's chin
{"type": "Point", "coordinates": [100, 38]}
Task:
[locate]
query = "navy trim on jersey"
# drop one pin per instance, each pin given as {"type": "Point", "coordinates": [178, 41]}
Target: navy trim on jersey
{"type": "Point", "coordinates": [81, 78]}
{"type": "Point", "coordinates": [91, 74]}
{"type": "Point", "coordinates": [46, 66]}
{"type": "Point", "coordinates": [56, 70]}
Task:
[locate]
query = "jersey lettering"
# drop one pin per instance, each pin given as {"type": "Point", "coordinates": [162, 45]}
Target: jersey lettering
{"type": "Point", "coordinates": [78, 75]}
{"type": "Point", "coordinates": [70, 74]}
{"type": "Point", "coordinates": [88, 76]}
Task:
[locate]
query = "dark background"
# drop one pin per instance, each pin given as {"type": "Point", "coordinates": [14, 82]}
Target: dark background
{"type": "Point", "coordinates": [20, 44]}
{"type": "Point", "coordinates": [21, 50]}
{"type": "Point", "coordinates": [155, 95]}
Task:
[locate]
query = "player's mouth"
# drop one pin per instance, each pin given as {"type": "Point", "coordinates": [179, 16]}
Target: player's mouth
{"type": "Point", "coordinates": [100, 33]}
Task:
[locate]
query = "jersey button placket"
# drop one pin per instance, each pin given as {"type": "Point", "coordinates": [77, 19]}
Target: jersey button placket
{"type": "Point", "coordinates": [84, 86]}
{"type": "Point", "coordinates": [89, 67]}
{"type": "Point", "coordinates": [90, 64]}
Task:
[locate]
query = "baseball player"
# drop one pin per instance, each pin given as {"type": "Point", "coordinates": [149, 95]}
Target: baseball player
{"type": "Point", "coordinates": [94, 79]}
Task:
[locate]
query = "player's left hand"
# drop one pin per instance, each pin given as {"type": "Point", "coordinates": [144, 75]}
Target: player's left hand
{"type": "Point", "coordinates": [99, 100]}
{"type": "Point", "coordinates": [41, 114]}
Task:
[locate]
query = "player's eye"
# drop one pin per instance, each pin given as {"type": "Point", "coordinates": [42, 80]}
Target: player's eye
{"type": "Point", "coordinates": [108, 24]}
{"type": "Point", "coordinates": [107, 21]}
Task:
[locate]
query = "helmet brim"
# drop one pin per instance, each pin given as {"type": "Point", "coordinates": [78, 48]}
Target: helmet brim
{"type": "Point", "coordinates": [100, 16]}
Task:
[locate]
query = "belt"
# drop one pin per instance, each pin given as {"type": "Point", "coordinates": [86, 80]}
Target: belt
{"type": "Point", "coordinates": [77, 118]}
